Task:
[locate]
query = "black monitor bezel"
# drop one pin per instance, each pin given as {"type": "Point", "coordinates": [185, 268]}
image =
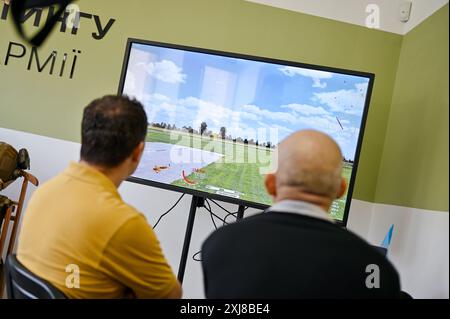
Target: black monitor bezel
{"type": "Point", "coordinates": [225, 199]}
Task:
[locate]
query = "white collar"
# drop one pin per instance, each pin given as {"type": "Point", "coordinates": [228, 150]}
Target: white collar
{"type": "Point", "coordinates": [301, 208]}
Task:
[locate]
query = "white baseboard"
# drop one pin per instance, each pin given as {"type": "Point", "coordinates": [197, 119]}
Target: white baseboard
{"type": "Point", "coordinates": [420, 244]}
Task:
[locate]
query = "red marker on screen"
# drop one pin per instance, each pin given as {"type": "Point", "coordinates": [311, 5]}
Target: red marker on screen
{"type": "Point", "coordinates": [187, 180]}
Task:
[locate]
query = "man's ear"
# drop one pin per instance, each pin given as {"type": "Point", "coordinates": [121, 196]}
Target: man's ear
{"type": "Point", "coordinates": [271, 185]}
{"type": "Point", "coordinates": [343, 188]}
{"type": "Point", "coordinates": [137, 153]}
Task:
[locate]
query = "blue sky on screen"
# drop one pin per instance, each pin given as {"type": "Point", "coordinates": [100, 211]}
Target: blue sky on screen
{"type": "Point", "coordinates": [247, 97]}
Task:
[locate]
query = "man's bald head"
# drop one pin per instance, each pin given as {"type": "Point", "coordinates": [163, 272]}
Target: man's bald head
{"type": "Point", "coordinates": [310, 162]}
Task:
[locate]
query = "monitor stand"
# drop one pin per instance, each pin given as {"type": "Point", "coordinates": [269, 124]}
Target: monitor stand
{"type": "Point", "coordinates": [197, 202]}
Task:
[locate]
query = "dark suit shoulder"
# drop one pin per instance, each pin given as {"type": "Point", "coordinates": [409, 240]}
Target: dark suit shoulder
{"type": "Point", "coordinates": [258, 224]}
{"type": "Point", "coordinates": [278, 231]}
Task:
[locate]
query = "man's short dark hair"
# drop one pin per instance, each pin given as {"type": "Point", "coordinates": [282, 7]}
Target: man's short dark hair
{"type": "Point", "coordinates": [113, 126]}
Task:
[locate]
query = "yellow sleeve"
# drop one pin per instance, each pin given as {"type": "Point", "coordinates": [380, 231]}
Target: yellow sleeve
{"type": "Point", "coordinates": [134, 258]}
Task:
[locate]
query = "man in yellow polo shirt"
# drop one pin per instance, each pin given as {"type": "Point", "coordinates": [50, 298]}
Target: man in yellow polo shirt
{"type": "Point", "coordinates": [79, 234]}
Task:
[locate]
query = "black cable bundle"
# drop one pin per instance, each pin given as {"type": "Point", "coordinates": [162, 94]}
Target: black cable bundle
{"type": "Point", "coordinates": [208, 208]}
{"type": "Point", "coordinates": [168, 212]}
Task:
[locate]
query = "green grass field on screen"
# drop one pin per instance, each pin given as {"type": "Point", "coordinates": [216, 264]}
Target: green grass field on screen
{"type": "Point", "coordinates": [235, 171]}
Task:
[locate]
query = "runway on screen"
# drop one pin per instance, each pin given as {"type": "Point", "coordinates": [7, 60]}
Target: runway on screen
{"type": "Point", "coordinates": [165, 163]}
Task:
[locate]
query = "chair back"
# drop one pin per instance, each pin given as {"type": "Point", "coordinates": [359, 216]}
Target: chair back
{"type": "Point", "coordinates": [23, 284]}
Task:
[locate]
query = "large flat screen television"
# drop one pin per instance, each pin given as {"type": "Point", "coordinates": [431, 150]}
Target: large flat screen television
{"type": "Point", "coordinates": [216, 118]}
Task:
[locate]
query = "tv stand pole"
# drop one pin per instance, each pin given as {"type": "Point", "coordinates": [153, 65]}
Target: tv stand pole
{"type": "Point", "coordinates": [197, 202]}
{"type": "Point", "coordinates": [240, 214]}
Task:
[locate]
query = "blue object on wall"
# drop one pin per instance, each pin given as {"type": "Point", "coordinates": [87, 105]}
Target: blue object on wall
{"type": "Point", "coordinates": [387, 241]}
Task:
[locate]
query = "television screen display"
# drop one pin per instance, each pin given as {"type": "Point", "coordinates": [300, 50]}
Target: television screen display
{"type": "Point", "coordinates": [215, 118]}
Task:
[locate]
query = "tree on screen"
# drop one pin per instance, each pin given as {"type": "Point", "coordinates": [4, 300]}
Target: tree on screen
{"type": "Point", "coordinates": [223, 132]}
{"type": "Point", "coordinates": [203, 128]}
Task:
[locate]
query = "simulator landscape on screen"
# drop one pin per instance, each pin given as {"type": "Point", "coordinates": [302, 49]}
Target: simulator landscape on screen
{"type": "Point", "coordinates": [215, 121]}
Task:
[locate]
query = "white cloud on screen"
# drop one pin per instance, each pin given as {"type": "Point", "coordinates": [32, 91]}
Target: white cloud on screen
{"type": "Point", "coordinates": [281, 128]}
{"type": "Point", "coordinates": [316, 75]}
{"type": "Point", "coordinates": [275, 116]}
{"type": "Point", "coordinates": [306, 109]}
{"type": "Point", "coordinates": [345, 101]}
{"type": "Point", "coordinates": [165, 71]}
{"type": "Point", "coordinates": [206, 111]}
{"type": "Point", "coordinates": [130, 84]}
{"type": "Point", "coordinates": [159, 97]}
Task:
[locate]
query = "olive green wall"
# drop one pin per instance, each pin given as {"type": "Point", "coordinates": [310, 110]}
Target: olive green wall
{"type": "Point", "coordinates": [414, 169]}
{"type": "Point", "coordinates": [51, 106]}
